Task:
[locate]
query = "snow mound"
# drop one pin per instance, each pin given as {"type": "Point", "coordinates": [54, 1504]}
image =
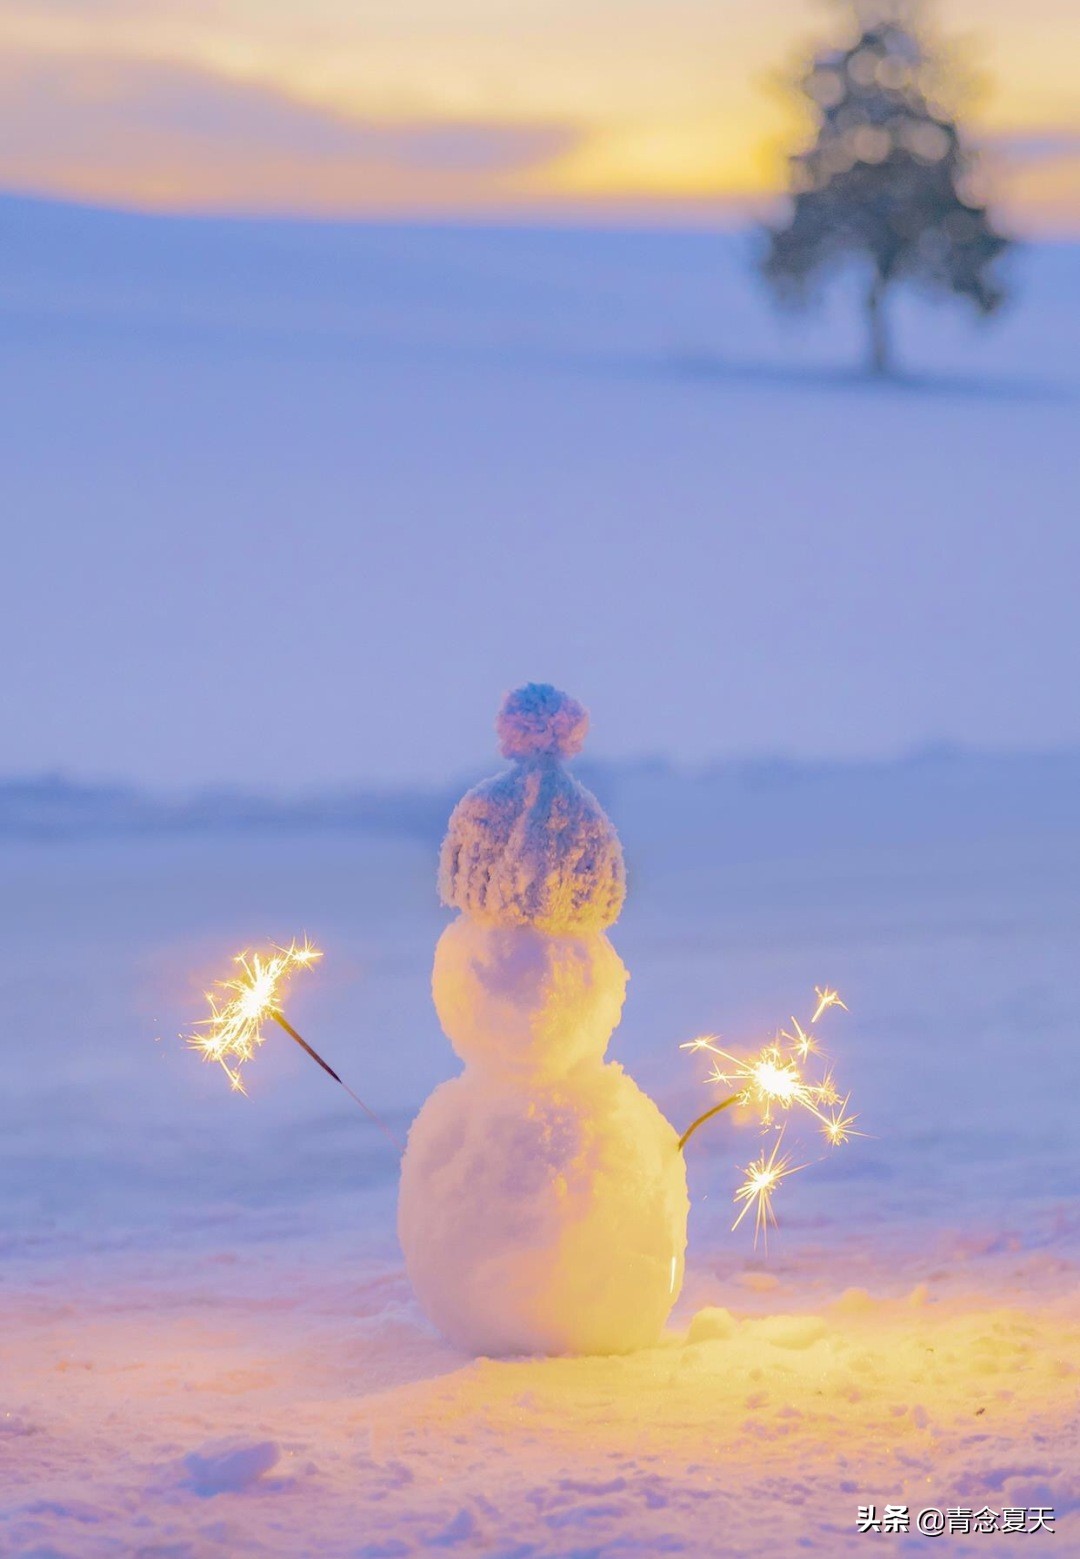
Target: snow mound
{"type": "Point", "coordinates": [229, 1466]}
{"type": "Point", "coordinates": [713, 1323]}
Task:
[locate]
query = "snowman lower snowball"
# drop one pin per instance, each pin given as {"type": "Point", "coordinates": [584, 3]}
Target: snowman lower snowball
{"type": "Point", "coordinates": [543, 1199]}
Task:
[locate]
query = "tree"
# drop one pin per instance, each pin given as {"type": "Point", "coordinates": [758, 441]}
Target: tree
{"type": "Point", "coordinates": [887, 179]}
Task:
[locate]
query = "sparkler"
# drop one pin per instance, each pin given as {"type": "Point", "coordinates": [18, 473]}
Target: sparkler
{"type": "Point", "coordinates": [762, 1178]}
{"type": "Point", "coordinates": [773, 1081]}
{"type": "Point", "coordinates": [241, 1007]}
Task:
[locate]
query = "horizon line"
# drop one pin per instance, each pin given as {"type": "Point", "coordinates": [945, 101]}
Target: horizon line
{"type": "Point", "coordinates": [728, 213]}
{"type": "Point", "coordinates": [60, 778]}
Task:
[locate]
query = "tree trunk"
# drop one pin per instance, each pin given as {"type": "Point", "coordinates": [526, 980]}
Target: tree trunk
{"type": "Point", "coordinates": [880, 361]}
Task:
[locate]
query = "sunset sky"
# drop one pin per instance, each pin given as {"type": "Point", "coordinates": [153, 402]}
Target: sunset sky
{"type": "Point", "coordinates": [650, 108]}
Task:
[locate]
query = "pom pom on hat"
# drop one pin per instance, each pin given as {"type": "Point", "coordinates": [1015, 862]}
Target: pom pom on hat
{"type": "Point", "coordinates": [537, 720]}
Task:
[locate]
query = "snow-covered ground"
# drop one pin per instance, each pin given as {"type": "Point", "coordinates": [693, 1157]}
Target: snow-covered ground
{"type": "Point", "coordinates": [208, 1348]}
{"type": "Point", "coordinates": [184, 1267]}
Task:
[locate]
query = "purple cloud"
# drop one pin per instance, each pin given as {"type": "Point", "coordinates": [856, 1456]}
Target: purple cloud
{"type": "Point", "coordinates": [72, 111]}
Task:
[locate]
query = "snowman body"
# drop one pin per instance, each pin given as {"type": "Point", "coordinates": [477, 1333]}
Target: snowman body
{"type": "Point", "coordinates": [543, 1196]}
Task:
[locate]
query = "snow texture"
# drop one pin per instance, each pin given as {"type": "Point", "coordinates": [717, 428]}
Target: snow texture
{"type": "Point", "coordinates": [543, 1197]}
{"type": "Point", "coordinates": [229, 1467]}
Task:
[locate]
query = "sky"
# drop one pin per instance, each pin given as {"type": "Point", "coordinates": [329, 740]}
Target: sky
{"type": "Point", "coordinates": [656, 109]}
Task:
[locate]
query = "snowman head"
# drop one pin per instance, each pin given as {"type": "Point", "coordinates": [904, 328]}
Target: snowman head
{"type": "Point", "coordinates": [525, 1005]}
{"type": "Point", "coordinates": [531, 846]}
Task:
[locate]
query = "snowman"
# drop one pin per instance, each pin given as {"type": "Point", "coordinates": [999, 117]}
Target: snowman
{"type": "Point", "coordinates": [543, 1199]}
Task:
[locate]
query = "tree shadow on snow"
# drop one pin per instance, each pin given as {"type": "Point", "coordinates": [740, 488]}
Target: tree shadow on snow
{"type": "Point", "coordinates": [846, 379]}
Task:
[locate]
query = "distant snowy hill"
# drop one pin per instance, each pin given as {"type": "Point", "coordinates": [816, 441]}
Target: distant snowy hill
{"type": "Point", "coordinates": [292, 503]}
{"type": "Point", "coordinates": [54, 808]}
{"type": "Point", "coordinates": [762, 808]}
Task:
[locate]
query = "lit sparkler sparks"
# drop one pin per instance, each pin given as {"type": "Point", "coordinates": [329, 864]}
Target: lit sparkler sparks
{"type": "Point", "coordinates": [241, 1007]}
{"type": "Point", "coordinates": [762, 1178]}
{"type": "Point", "coordinates": [838, 1127]}
{"type": "Point", "coordinates": [826, 999]}
{"type": "Point", "coordinates": [773, 1081]}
